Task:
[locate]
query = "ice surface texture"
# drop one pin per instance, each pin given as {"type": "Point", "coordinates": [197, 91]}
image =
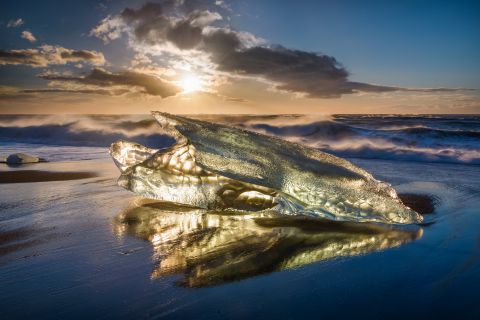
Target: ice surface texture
{"type": "Point", "coordinates": [219, 167]}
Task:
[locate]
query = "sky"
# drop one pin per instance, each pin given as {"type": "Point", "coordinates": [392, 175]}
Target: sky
{"type": "Point", "coordinates": [240, 57]}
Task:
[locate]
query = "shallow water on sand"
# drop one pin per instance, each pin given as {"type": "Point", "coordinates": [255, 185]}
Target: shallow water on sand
{"type": "Point", "coordinates": [88, 249]}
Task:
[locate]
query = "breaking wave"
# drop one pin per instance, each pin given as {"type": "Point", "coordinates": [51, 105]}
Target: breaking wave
{"type": "Point", "coordinates": [433, 138]}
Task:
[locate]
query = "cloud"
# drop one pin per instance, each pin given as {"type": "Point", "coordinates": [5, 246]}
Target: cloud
{"type": "Point", "coordinates": [178, 28]}
{"type": "Point", "coordinates": [28, 36]}
{"type": "Point", "coordinates": [105, 92]}
{"type": "Point", "coordinates": [15, 23]}
{"type": "Point", "coordinates": [367, 87]}
{"type": "Point", "coordinates": [187, 33]}
{"type": "Point", "coordinates": [235, 99]}
{"type": "Point", "coordinates": [46, 55]}
{"type": "Point", "coordinates": [317, 76]}
{"type": "Point", "coordinates": [223, 5]}
{"type": "Point", "coordinates": [104, 82]}
{"type": "Point", "coordinates": [151, 26]}
{"type": "Point", "coordinates": [108, 29]}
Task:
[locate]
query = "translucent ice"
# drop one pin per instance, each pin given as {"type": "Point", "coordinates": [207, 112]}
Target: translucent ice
{"type": "Point", "coordinates": [219, 167]}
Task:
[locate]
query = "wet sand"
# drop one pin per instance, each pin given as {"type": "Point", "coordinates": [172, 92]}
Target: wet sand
{"type": "Point", "coordinates": [422, 203]}
{"type": "Point", "coordinates": [25, 176]}
{"type": "Point", "coordinates": [87, 248]}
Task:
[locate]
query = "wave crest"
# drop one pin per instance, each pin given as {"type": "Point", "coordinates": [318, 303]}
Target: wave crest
{"type": "Point", "coordinates": [453, 139]}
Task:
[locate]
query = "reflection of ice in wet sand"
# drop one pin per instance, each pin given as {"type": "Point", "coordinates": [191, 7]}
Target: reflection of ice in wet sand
{"type": "Point", "coordinates": [210, 247]}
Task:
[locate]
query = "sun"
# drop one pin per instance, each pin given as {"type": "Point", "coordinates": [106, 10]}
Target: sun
{"type": "Point", "coordinates": [191, 83]}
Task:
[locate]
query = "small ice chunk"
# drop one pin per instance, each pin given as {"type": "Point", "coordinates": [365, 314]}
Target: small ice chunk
{"type": "Point", "coordinates": [20, 158]}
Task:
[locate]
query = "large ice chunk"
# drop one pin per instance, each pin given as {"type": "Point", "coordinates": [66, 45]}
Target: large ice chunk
{"type": "Point", "coordinates": [220, 167]}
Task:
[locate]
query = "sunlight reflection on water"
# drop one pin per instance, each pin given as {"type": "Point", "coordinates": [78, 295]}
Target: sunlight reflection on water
{"type": "Point", "coordinates": [211, 248]}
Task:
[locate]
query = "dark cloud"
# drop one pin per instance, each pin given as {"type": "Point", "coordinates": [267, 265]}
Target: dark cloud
{"type": "Point", "coordinates": [316, 75]}
{"type": "Point", "coordinates": [100, 78]}
{"type": "Point", "coordinates": [367, 87]}
{"type": "Point", "coordinates": [106, 92]}
{"type": "Point", "coordinates": [221, 43]}
{"type": "Point", "coordinates": [79, 55]}
{"type": "Point", "coordinates": [149, 24]}
{"type": "Point", "coordinates": [46, 55]}
{"type": "Point", "coordinates": [152, 24]}
{"type": "Point", "coordinates": [148, 12]}
{"type": "Point", "coordinates": [12, 93]}
{"type": "Point", "coordinates": [188, 25]}
{"type": "Point", "coordinates": [29, 57]}
{"type": "Point", "coordinates": [184, 35]}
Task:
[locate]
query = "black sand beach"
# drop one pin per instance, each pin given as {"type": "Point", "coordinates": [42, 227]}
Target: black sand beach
{"type": "Point", "coordinates": [25, 176]}
{"type": "Point", "coordinates": [88, 248]}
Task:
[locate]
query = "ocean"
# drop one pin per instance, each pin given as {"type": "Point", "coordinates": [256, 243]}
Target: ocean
{"type": "Point", "coordinates": [86, 248]}
{"type": "Point", "coordinates": [426, 138]}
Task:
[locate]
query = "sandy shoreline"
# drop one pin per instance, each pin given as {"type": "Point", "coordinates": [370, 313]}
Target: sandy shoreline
{"type": "Point", "coordinates": [72, 240]}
